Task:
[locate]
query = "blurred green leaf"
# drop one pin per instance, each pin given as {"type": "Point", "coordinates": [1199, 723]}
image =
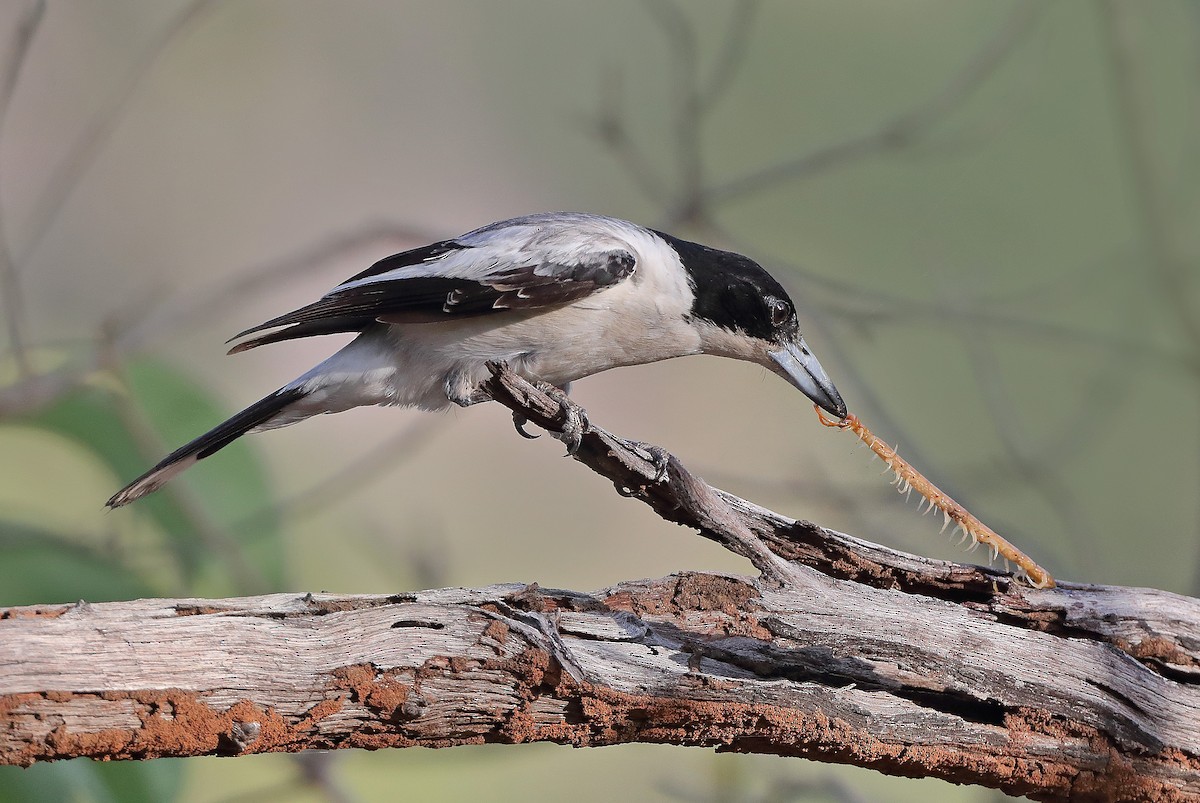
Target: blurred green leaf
{"type": "Point", "coordinates": [193, 513]}
{"type": "Point", "coordinates": [138, 781]}
{"type": "Point", "coordinates": [42, 567]}
{"type": "Point", "coordinates": [86, 781]}
{"type": "Point", "coordinates": [90, 416]}
{"type": "Point", "coordinates": [232, 485]}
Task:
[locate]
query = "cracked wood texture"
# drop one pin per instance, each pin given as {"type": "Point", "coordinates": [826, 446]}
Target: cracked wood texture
{"type": "Point", "coordinates": [1078, 693]}
{"type": "Point", "coordinates": [841, 651]}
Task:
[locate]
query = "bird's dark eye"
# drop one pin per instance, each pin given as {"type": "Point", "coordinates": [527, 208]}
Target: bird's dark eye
{"type": "Point", "coordinates": [780, 311]}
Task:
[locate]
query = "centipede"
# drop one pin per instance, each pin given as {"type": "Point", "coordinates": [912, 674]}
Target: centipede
{"type": "Point", "coordinates": [907, 479]}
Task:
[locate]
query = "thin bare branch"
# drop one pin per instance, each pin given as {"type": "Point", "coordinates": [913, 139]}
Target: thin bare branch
{"type": "Point", "coordinates": [194, 306]}
{"type": "Point", "coordinates": [692, 102]}
{"type": "Point", "coordinates": [65, 178]}
{"type": "Point", "coordinates": [10, 284]}
{"type": "Point", "coordinates": [1170, 272]}
{"type": "Point", "coordinates": [608, 125]}
{"type": "Point", "coordinates": [28, 395]}
{"type": "Point", "coordinates": [149, 321]}
{"type": "Point", "coordinates": [1038, 473]}
{"type": "Point", "coordinates": [733, 53]}
{"type": "Point", "coordinates": [16, 51]}
{"type": "Point", "coordinates": [863, 307]}
{"type": "Point", "coordinates": [900, 131]}
{"type": "Point", "coordinates": [680, 34]}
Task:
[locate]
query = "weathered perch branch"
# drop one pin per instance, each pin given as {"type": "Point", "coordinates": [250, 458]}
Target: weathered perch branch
{"type": "Point", "coordinates": [843, 651]}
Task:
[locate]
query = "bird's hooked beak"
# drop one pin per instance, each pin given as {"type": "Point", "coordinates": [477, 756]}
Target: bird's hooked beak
{"type": "Point", "coordinates": [798, 366]}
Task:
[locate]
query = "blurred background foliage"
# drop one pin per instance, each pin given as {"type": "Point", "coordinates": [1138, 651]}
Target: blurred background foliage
{"type": "Point", "coordinates": [986, 211]}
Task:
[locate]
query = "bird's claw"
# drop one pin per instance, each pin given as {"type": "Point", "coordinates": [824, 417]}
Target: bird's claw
{"type": "Point", "coordinates": [576, 424]}
{"type": "Point", "coordinates": [519, 422]}
{"type": "Point", "coordinates": [659, 457]}
{"type": "Point", "coordinates": [656, 456]}
{"type": "Point", "coordinates": [575, 421]}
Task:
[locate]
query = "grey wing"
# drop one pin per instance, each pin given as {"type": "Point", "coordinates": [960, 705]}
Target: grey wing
{"type": "Point", "coordinates": [478, 274]}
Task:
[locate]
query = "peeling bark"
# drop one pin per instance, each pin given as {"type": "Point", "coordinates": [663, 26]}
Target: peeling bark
{"type": "Point", "coordinates": [973, 692]}
{"type": "Point", "coordinates": [842, 651]}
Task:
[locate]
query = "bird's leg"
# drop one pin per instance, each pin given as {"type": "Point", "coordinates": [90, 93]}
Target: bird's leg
{"type": "Point", "coordinates": [456, 393]}
{"type": "Point", "coordinates": [575, 421]}
{"type": "Point", "coordinates": [469, 399]}
{"type": "Point", "coordinates": [460, 391]}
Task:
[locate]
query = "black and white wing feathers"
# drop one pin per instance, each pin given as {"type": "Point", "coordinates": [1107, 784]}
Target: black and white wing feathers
{"type": "Point", "coordinates": [517, 267]}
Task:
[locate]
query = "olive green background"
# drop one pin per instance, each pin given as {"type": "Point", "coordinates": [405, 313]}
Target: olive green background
{"type": "Point", "coordinates": [986, 211]}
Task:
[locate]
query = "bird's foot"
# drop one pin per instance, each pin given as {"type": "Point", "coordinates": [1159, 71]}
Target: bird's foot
{"type": "Point", "coordinates": [575, 420]}
{"type": "Point", "coordinates": [656, 456]}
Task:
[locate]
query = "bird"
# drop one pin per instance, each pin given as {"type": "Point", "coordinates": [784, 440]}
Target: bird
{"type": "Point", "coordinates": [557, 296]}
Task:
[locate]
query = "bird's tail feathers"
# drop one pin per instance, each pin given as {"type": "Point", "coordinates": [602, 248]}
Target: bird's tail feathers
{"type": "Point", "coordinates": [257, 415]}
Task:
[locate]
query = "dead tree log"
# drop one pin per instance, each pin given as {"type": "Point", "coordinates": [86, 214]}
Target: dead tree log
{"type": "Point", "coordinates": [841, 651]}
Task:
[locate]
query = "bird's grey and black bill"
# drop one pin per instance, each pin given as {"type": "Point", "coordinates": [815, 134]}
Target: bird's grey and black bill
{"type": "Point", "coordinates": [801, 368]}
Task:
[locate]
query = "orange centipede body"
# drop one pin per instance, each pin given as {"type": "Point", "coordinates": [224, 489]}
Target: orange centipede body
{"type": "Point", "coordinates": [908, 479]}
